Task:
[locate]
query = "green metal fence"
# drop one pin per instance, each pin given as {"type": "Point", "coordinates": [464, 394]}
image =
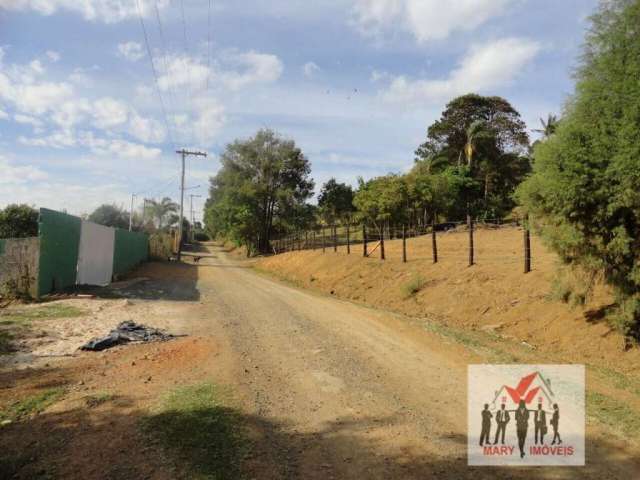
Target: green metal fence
{"type": "Point", "coordinates": [131, 249]}
{"type": "Point", "coordinates": [59, 244]}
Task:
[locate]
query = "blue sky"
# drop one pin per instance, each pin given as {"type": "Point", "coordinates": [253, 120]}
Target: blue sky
{"type": "Point", "coordinates": [354, 82]}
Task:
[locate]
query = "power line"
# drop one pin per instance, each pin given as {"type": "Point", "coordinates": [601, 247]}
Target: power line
{"type": "Point", "coordinates": [208, 45]}
{"type": "Point", "coordinates": [165, 61]}
{"type": "Point", "coordinates": [186, 62]}
{"type": "Point", "coordinates": [155, 73]}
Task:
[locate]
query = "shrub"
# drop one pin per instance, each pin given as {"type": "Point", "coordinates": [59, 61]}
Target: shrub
{"type": "Point", "coordinates": [413, 286]}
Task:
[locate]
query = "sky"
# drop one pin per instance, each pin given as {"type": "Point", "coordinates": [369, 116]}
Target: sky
{"type": "Point", "coordinates": [97, 95]}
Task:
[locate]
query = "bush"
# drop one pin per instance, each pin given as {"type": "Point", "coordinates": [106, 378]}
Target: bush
{"type": "Point", "coordinates": [413, 286]}
{"type": "Point", "coordinates": [160, 246]}
{"type": "Point", "coordinates": [201, 237]}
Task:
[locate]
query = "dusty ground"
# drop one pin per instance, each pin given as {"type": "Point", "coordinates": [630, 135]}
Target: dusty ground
{"type": "Point", "coordinates": [327, 388]}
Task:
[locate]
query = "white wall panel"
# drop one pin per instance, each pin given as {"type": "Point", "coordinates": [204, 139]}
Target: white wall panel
{"type": "Point", "coordinates": [95, 256]}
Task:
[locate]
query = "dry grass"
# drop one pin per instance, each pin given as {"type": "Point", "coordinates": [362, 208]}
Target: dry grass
{"type": "Point", "coordinates": [492, 296]}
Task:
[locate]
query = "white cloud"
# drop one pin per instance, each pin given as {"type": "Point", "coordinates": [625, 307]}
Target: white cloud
{"type": "Point", "coordinates": [484, 67]}
{"type": "Point", "coordinates": [117, 148]}
{"type": "Point", "coordinates": [60, 139]}
{"type": "Point", "coordinates": [71, 112]}
{"type": "Point", "coordinates": [146, 130]}
{"type": "Point", "coordinates": [132, 51]}
{"type": "Point", "coordinates": [233, 71]}
{"type": "Point", "coordinates": [3, 115]}
{"type": "Point", "coordinates": [107, 11]}
{"type": "Point", "coordinates": [109, 112]}
{"type": "Point", "coordinates": [310, 69]}
{"type": "Point", "coordinates": [209, 121]}
{"type": "Point", "coordinates": [16, 175]}
{"type": "Point", "coordinates": [255, 68]}
{"type": "Point", "coordinates": [52, 55]}
{"type": "Point", "coordinates": [426, 20]}
{"type": "Point", "coordinates": [27, 119]}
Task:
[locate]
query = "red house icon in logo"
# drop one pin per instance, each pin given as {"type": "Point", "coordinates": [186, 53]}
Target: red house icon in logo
{"type": "Point", "coordinates": [528, 388]}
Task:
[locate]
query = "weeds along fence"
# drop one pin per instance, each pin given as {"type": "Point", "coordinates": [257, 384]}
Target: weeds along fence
{"type": "Point", "coordinates": [410, 242]}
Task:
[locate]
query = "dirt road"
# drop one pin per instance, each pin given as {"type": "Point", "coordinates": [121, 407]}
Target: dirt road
{"type": "Point", "coordinates": [341, 391]}
{"type": "Point", "coordinates": [327, 389]}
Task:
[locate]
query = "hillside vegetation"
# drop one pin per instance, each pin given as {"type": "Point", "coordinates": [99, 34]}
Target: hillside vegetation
{"type": "Point", "coordinates": [493, 298]}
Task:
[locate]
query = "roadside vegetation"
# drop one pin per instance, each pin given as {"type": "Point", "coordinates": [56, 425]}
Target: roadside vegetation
{"type": "Point", "coordinates": [198, 426]}
{"type": "Point", "coordinates": [576, 184]}
{"type": "Point", "coordinates": [30, 405]}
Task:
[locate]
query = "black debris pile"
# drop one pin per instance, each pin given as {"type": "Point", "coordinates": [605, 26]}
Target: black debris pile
{"type": "Point", "coordinates": [127, 332]}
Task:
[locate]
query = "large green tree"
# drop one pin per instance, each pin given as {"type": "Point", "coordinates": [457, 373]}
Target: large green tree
{"type": "Point", "coordinates": [110, 215]}
{"type": "Point", "coordinates": [488, 135]}
{"type": "Point", "coordinates": [262, 188]}
{"type": "Point", "coordinates": [18, 221]}
{"type": "Point", "coordinates": [584, 193]}
{"type": "Point", "coordinates": [335, 202]}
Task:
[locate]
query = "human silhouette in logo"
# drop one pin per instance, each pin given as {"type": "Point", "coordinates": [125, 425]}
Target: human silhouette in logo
{"type": "Point", "coordinates": [555, 420]}
{"type": "Point", "coordinates": [540, 422]}
{"type": "Point", "coordinates": [486, 425]}
{"type": "Point", "coordinates": [502, 418]}
{"type": "Point", "coordinates": [522, 424]}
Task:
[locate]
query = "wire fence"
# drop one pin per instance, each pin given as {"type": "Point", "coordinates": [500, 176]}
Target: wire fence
{"type": "Point", "coordinates": [409, 242]}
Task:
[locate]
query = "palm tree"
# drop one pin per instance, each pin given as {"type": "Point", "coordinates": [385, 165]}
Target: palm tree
{"type": "Point", "coordinates": [475, 132]}
{"type": "Point", "coordinates": [162, 209]}
{"type": "Point", "coordinates": [549, 127]}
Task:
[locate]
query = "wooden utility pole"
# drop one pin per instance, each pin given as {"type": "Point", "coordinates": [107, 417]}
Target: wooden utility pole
{"type": "Point", "coordinates": [191, 197]}
{"type": "Point", "coordinates": [184, 154]}
{"type": "Point", "coordinates": [382, 243]}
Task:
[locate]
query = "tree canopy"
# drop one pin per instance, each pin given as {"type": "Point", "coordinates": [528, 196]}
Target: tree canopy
{"type": "Point", "coordinates": [584, 193]}
{"type": "Point", "coordinates": [262, 188]}
{"type": "Point", "coordinates": [335, 201]}
{"type": "Point", "coordinates": [110, 215]}
{"type": "Point", "coordinates": [488, 135]}
{"type": "Point", "coordinates": [18, 221]}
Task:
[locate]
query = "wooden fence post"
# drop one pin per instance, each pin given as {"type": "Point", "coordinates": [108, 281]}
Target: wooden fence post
{"type": "Point", "coordinates": [434, 244]}
{"type": "Point", "coordinates": [364, 240]}
{"type": "Point", "coordinates": [470, 226]}
{"type": "Point", "coordinates": [335, 238]}
{"type": "Point", "coordinates": [306, 239]}
{"type": "Point", "coordinates": [313, 239]}
{"type": "Point", "coordinates": [348, 239]}
{"type": "Point", "coordinates": [527, 246]}
{"type": "Point", "coordinates": [323, 241]}
{"type": "Point", "coordinates": [382, 243]}
{"type": "Point", "coordinates": [404, 244]}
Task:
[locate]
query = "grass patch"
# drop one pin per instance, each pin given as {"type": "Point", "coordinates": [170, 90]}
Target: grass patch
{"type": "Point", "coordinates": [480, 342]}
{"type": "Point", "coordinates": [194, 423]}
{"type": "Point", "coordinates": [613, 413]}
{"type": "Point", "coordinates": [413, 286]}
{"type": "Point", "coordinates": [5, 343]}
{"type": "Point", "coordinates": [31, 405]}
{"type": "Point", "coordinates": [25, 316]}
